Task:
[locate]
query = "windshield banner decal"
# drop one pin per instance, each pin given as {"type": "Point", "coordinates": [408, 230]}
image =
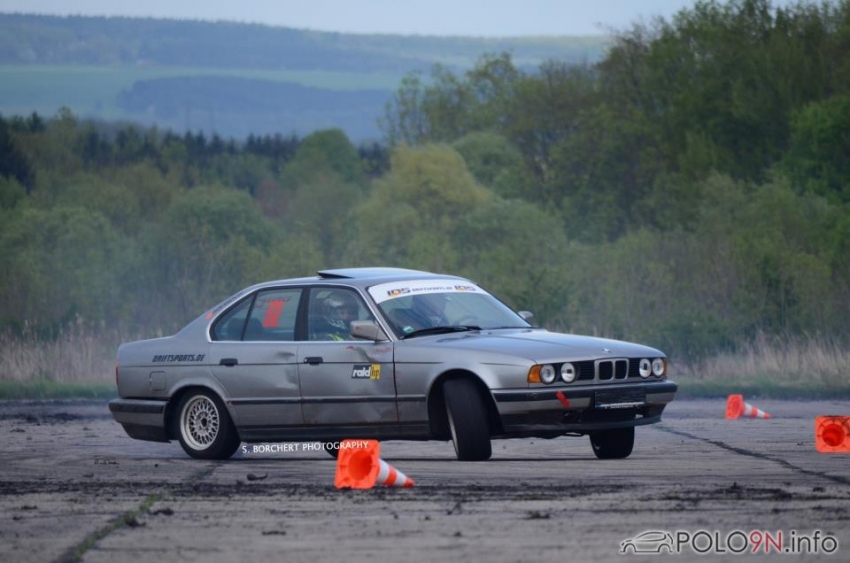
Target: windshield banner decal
{"type": "Point", "coordinates": [387, 291]}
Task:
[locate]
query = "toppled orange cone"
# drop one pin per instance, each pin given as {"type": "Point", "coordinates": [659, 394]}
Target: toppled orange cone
{"type": "Point", "coordinates": [737, 408]}
{"type": "Point", "coordinates": [832, 434]}
{"type": "Point", "coordinates": [362, 468]}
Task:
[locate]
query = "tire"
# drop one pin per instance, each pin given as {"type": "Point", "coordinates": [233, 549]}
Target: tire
{"type": "Point", "coordinates": [204, 427]}
{"type": "Point", "coordinates": [467, 416]}
{"type": "Point", "coordinates": [613, 444]}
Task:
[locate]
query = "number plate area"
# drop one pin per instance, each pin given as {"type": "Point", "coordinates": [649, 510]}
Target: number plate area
{"type": "Point", "coordinates": [620, 399]}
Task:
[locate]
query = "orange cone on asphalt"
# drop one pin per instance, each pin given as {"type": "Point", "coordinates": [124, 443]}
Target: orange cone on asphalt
{"type": "Point", "coordinates": [737, 408]}
{"type": "Point", "coordinates": [832, 434]}
{"type": "Point", "coordinates": [359, 466]}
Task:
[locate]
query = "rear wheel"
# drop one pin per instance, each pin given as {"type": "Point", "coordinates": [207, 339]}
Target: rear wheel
{"type": "Point", "coordinates": [467, 416]}
{"type": "Point", "coordinates": [613, 444]}
{"type": "Point", "coordinates": [204, 427]}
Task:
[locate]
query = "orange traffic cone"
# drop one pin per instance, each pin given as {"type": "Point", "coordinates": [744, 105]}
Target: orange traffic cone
{"type": "Point", "coordinates": [736, 408]}
{"type": "Point", "coordinates": [832, 434]}
{"type": "Point", "coordinates": [360, 467]}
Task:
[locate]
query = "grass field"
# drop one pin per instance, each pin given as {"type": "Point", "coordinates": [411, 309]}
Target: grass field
{"type": "Point", "coordinates": [90, 91]}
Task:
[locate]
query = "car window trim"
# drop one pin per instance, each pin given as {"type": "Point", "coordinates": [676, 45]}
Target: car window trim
{"type": "Point", "coordinates": [253, 297]}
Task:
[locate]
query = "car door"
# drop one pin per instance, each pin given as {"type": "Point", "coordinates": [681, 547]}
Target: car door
{"type": "Point", "coordinates": [344, 382]}
{"type": "Point", "coordinates": [255, 357]}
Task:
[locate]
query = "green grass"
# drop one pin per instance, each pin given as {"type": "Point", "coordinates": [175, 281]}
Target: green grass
{"type": "Point", "coordinates": [43, 389]}
{"type": "Point", "coordinates": [92, 90]}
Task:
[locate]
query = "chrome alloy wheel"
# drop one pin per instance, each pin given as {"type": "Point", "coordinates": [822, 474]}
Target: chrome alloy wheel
{"type": "Point", "coordinates": [200, 422]}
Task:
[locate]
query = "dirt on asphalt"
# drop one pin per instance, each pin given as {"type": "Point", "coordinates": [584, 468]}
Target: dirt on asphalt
{"type": "Point", "coordinates": [74, 487]}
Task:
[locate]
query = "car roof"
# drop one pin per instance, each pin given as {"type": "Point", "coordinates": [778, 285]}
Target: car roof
{"type": "Point", "coordinates": [362, 278]}
{"type": "Point", "coordinates": [364, 273]}
{"type": "Point", "coordinates": [358, 277]}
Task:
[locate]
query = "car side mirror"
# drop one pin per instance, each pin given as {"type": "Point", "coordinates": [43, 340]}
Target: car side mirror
{"type": "Point", "coordinates": [368, 330]}
{"type": "Point", "coordinates": [527, 316]}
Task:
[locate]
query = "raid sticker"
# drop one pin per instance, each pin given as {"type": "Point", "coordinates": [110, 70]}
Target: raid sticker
{"type": "Point", "coordinates": [272, 318]}
{"type": "Point", "coordinates": [387, 291]}
{"type": "Point", "coordinates": [366, 371]}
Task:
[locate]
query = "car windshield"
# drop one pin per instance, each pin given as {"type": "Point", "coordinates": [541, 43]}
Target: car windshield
{"type": "Point", "coordinates": [426, 306]}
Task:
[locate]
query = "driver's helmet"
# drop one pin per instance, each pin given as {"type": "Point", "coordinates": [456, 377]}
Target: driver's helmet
{"type": "Point", "coordinates": [340, 309]}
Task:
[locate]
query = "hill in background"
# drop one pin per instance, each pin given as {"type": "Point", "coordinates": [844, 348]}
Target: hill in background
{"type": "Point", "coordinates": [232, 78]}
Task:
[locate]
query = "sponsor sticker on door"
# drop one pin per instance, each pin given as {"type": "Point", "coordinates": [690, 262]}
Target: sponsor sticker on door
{"type": "Point", "coordinates": [366, 371]}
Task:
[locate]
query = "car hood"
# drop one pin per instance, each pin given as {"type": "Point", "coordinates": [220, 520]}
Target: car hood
{"type": "Point", "coordinates": [538, 345]}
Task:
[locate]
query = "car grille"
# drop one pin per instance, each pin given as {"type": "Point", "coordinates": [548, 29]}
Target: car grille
{"type": "Point", "coordinates": [607, 370]}
{"type": "Point", "coordinates": [615, 369]}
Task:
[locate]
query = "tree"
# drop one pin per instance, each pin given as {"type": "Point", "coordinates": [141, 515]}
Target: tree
{"type": "Point", "coordinates": [817, 160]}
{"type": "Point", "coordinates": [206, 245]}
{"type": "Point", "coordinates": [496, 164]}
{"type": "Point", "coordinates": [61, 263]}
{"type": "Point", "coordinates": [13, 163]}
{"type": "Point", "coordinates": [517, 251]}
{"type": "Point", "coordinates": [411, 213]}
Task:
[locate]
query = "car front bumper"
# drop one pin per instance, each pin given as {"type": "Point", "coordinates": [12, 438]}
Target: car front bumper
{"type": "Point", "coordinates": [141, 419]}
{"type": "Point", "coordinates": [582, 408]}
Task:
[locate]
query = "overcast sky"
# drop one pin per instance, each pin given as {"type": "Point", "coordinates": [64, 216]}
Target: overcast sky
{"type": "Point", "coordinates": [424, 17]}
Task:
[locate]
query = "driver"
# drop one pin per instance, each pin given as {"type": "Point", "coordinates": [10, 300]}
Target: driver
{"type": "Point", "coordinates": [340, 309]}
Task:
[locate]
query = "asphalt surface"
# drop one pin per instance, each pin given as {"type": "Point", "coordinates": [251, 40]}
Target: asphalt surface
{"type": "Point", "coordinates": [74, 487]}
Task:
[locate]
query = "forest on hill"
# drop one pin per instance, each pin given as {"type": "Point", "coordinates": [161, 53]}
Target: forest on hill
{"type": "Point", "coordinates": [232, 79]}
{"type": "Point", "coordinates": [691, 191]}
{"type": "Point", "coordinates": [90, 40]}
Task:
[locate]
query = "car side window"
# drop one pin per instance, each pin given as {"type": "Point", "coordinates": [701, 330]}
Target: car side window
{"type": "Point", "coordinates": [273, 315]}
{"type": "Point", "coordinates": [231, 324]}
{"type": "Point", "coordinates": [331, 311]}
{"type": "Point", "coordinates": [268, 315]}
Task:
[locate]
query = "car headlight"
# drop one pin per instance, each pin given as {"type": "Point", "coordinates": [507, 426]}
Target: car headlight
{"type": "Point", "coordinates": [659, 366]}
{"type": "Point", "coordinates": [568, 373]}
{"type": "Point", "coordinates": [547, 374]}
{"type": "Point", "coordinates": [645, 368]}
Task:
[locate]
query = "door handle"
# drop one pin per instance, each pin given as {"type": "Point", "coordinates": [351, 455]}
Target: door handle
{"type": "Point", "coordinates": [229, 362]}
{"type": "Point", "coordinates": [313, 360]}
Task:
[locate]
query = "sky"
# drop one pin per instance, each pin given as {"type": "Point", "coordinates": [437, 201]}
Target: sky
{"type": "Point", "coordinates": [482, 18]}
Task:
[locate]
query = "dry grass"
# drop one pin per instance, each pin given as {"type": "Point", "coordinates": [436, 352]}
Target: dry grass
{"type": "Point", "coordinates": [77, 355]}
{"type": "Point", "coordinates": [794, 363]}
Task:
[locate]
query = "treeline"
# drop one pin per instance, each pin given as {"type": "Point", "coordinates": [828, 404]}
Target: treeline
{"type": "Point", "coordinates": [78, 40]}
{"type": "Point", "coordinates": [699, 174]}
{"type": "Point", "coordinates": [691, 191]}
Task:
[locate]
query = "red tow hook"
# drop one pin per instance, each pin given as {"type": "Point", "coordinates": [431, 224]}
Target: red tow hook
{"type": "Point", "coordinates": [562, 399]}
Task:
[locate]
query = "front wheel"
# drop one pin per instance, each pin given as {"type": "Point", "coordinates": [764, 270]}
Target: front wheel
{"type": "Point", "coordinates": [467, 420]}
{"type": "Point", "coordinates": [204, 427]}
{"type": "Point", "coordinates": [613, 444]}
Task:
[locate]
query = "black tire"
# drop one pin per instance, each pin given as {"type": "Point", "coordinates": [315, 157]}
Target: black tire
{"type": "Point", "coordinates": [613, 444]}
{"type": "Point", "coordinates": [467, 416]}
{"type": "Point", "coordinates": [204, 427]}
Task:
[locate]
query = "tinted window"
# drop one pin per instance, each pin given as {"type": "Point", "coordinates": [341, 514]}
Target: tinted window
{"type": "Point", "coordinates": [331, 312]}
{"type": "Point", "coordinates": [273, 315]}
{"type": "Point", "coordinates": [420, 304]}
{"type": "Point", "coordinates": [230, 325]}
{"type": "Point", "coordinates": [271, 318]}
